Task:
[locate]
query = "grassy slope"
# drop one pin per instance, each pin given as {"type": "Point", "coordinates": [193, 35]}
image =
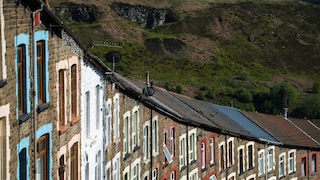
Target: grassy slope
{"type": "Point", "coordinates": [285, 46]}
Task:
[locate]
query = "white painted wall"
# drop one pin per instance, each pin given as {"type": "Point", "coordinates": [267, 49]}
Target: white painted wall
{"type": "Point", "coordinates": [91, 145]}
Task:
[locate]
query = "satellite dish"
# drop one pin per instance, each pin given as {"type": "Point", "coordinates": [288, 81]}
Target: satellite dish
{"type": "Point", "coordinates": [113, 57]}
{"type": "Point", "coordinates": [148, 91]}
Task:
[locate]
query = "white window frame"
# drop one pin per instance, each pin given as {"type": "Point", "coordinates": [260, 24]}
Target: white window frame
{"type": "Point", "coordinates": [155, 174]}
{"type": "Point", "coordinates": [271, 164]}
{"type": "Point", "coordinates": [146, 141]}
{"type": "Point", "coordinates": [126, 133]}
{"type": "Point", "coordinates": [98, 166]}
{"type": "Point", "coordinates": [193, 175]}
{"type": "Point", "coordinates": [183, 151]}
{"type": "Point", "coordinates": [109, 122]}
{"type": "Point", "coordinates": [243, 158]}
{"type": "Point", "coordinates": [282, 164]}
{"type": "Point", "coordinates": [253, 154]}
{"type": "Point", "coordinates": [212, 149]}
{"type": "Point", "coordinates": [116, 116]}
{"type": "Point", "coordinates": [203, 154]}
{"type": "Point", "coordinates": [135, 127]}
{"type": "Point", "coordinates": [98, 107]}
{"type": "Point", "coordinates": [108, 168]}
{"type": "Point", "coordinates": [88, 114]}
{"type": "Point", "coordinates": [135, 167]}
{"type": "Point", "coordinates": [116, 167]}
{"type": "Point", "coordinates": [222, 164]}
{"type": "Point", "coordinates": [192, 135]}
{"type": "Point", "coordinates": [232, 153]}
{"type": "Point", "coordinates": [293, 159]}
{"type": "Point", "coordinates": [155, 138]}
{"type": "Point", "coordinates": [172, 141]}
{"type": "Point", "coordinates": [252, 176]}
{"type": "Point", "coordinates": [126, 171]}
{"type": "Point", "coordinates": [261, 162]}
{"type": "Point", "coordinates": [172, 175]}
{"type": "Point", "coordinates": [232, 175]}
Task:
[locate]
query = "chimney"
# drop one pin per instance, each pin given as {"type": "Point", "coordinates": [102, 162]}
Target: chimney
{"type": "Point", "coordinates": [285, 113]}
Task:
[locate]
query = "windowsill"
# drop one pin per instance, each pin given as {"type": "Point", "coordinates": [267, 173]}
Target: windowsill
{"type": "Point", "coordinates": [3, 82]}
{"type": "Point", "coordinates": [126, 156]}
{"type": "Point", "coordinates": [183, 168]}
{"type": "Point", "coordinates": [24, 117]}
{"type": "Point", "coordinates": [136, 148]}
{"type": "Point", "coordinates": [74, 120]}
{"type": "Point", "coordinates": [63, 129]}
{"type": "Point", "coordinates": [43, 107]}
{"type": "Point", "coordinates": [193, 161]}
{"type": "Point", "coordinates": [212, 164]}
{"type": "Point", "coordinates": [203, 169]}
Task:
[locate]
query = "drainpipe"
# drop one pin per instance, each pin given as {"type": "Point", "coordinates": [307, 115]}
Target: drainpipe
{"type": "Point", "coordinates": [151, 143]}
{"type": "Point", "coordinates": [226, 156]}
{"type": "Point", "coordinates": [187, 149]}
{"type": "Point", "coordinates": [34, 64]}
{"type": "Point", "coordinates": [266, 159]}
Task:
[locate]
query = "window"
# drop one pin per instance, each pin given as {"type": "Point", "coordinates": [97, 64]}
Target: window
{"type": "Point", "coordinates": [165, 137]}
{"type": "Point", "coordinates": [212, 177]}
{"type": "Point", "coordinates": [116, 167]}
{"type": "Point", "coordinates": [261, 162]}
{"type": "Point", "coordinates": [41, 67]}
{"type": "Point", "coordinates": [74, 162]}
{"type": "Point", "coordinates": [87, 171]}
{"type": "Point", "coordinates": [62, 107]}
{"type": "Point", "coordinates": [282, 169]}
{"type": "Point", "coordinates": [3, 149]}
{"type": "Point", "coordinates": [270, 158]}
{"type": "Point", "coordinates": [292, 161]}
{"type": "Point", "coordinates": [98, 166]}
{"type": "Point", "coordinates": [183, 151]}
{"type": "Point", "coordinates": [193, 175]}
{"type": "Point", "coordinates": [212, 150]}
{"type": "Point", "coordinates": [62, 168]}
{"type": "Point", "coordinates": [314, 162]}
{"type": "Point", "coordinates": [241, 161]}
{"type": "Point", "coordinates": [108, 170]}
{"type": "Point", "coordinates": [108, 123]}
{"type": "Point", "coordinates": [22, 164]}
{"type": "Point", "coordinates": [126, 143]}
{"type": "Point", "coordinates": [87, 114]}
{"type": "Point", "coordinates": [135, 128]}
{"type": "Point", "coordinates": [116, 117]}
{"type": "Point", "coordinates": [192, 146]}
{"type": "Point", "coordinates": [146, 145]}
{"type": "Point", "coordinates": [230, 152]}
{"type": "Point", "coordinates": [172, 175]}
{"type": "Point", "coordinates": [222, 156]}
{"type": "Point", "coordinates": [74, 92]}
{"type": "Point", "coordinates": [135, 169]}
{"type": "Point", "coordinates": [250, 157]}
{"type": "Point", "coordinates": [172, 141]}
{"type": "Point", "coordinates": [154, 174]}
{"type": "Point", "coordinates": [304, 167]}
{"type": "Point", "coordinates": [98, 110]}
{"type": "Point", "coordinates": [155, 133]}
{"type": "Point", "coordinates": [22, 79]}
{"type": "Point", "coordinates": [42, 163]}
{"type": "Point", "coordinates": [203, 154]}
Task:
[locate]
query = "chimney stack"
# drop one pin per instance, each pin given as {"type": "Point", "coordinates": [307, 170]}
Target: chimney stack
{"type": "Point", "coordinates": [285, 113]}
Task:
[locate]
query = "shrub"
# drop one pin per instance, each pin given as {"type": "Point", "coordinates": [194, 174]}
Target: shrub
{"type": "Point", "coordinates": [316, 87]}
{"type": "Point", "coordinates": [244, 75]}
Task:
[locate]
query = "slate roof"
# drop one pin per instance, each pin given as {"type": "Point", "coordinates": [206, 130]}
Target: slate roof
{"type": "Point", "coordinates": [283, 130]}
{"type": "Point", "coordinates": [309, 128]}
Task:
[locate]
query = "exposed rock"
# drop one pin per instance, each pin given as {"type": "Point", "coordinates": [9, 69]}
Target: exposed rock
{"type": "Point", "coordinates": [78, 12]}
{"type": "Point", "coordinates": [173, 48]}
{"type": "Point", "coordinates": [146, 17]}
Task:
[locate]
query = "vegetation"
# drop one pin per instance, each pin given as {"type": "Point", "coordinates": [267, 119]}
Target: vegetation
{"type": "Point", "coordinates": [260, 56]}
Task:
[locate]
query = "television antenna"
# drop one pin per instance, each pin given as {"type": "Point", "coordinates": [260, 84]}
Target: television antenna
{"type": "Point", "coordinates": [113, 57]}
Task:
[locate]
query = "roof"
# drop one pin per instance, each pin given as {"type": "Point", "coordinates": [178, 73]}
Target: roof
{"type": "Point", "coordinates": [283, 130]}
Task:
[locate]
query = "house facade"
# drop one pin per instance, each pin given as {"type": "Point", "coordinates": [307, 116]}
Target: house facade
{"type": "Point", "coordinates": [65, 115]}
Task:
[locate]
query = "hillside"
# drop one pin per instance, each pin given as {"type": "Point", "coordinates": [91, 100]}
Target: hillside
{"type": "Point", "coordinates": [219, 51]}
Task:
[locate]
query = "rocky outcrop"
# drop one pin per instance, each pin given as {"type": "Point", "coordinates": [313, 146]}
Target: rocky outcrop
{"type": "Point", "coordinates": [78, 12]}
{"type": "Point", "coordinates": [146, 17]}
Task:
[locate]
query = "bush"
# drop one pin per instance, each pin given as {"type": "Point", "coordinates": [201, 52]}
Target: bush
{"type": "Point", "coordinates": [283, 95]}
{"type": "Point", "coordinates": [244, 75]}
{"type": "Point", "coordinates": [316, 87]}
{"type": "Point", "coordinates": [200, 96]}
{"type": "Point", "coordinates": [179, 89]}
{"type": "Point", "coordinates": [243, 95]}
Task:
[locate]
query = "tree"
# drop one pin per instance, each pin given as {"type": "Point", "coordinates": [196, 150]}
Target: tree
{"type": "Point", "coordinates": [283, 95]}
{"type": "Point", "coordinates": [310, 108]}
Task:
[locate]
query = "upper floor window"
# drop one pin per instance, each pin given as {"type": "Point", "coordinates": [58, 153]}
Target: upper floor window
{"type": "Point", "coordinates": [135, 127]}
{"type": "Point", "coordinates": [304, 166]}
{"type": "Point", "coordinates": [241, 160]}
{"type": "Point", "coordinates": [222, 155]}
{"type": "Point", "coordinates": [183, 151]}
{"type": "Point", "coordinates": [108, 123]}
{"type": "Point", "coordinates": [98, 107]}
{"type": "Point", "coordinates": [4, 146]}
{"type": "Point", "coordinates": [212, 150]}
{"type": "Point", "coordinates": [154, 174]}
{"type": "Point", "coordinates": [270, 158]}
{"type": "Point", "coordinates": [116, 109]}
{"type": "Point", "coordinates": [126, 133]}
{"type": "Point", "coordinates": [261, 161]}
{"type": "Point", "coordinates": [74, 93]}
{"type": "Point", "coordinates": [62, 102]}
{"type": "Point", "coordinates": [116, 167]}
{"type": "Point", "coordinates": [172, 141]}
{"type": "Point", "coordinates": [230, 152]}
{"type": "Point", "coordinates": [192, 146]}
{"type": "Point", "coordinates": [146, 144]}
{"type": "Point", "coordinates": [87, 113]}
{"type": "Point", "coordinates": [61, 168]}
{"type": "Point", "coordinates": [314, 162]}
{"type": "Point", "coordinates": [250, 156]}
{"type": "Point", "coordinates": [292, 161]}
{"type": "Point", "coordinates": [282, 163]}
{"type": "Point", "coordinates": [173, 175]}
{"type": "Point", "coordinates": [3, 68]}
{"type": "Point", "coordinates": [98, 166]}
{"type": "Point", "coordinates": [155, 134]}
{"type": "Point", "coordinates": [135, 170]}
{"type": "Point", "coordinates": [23, 161]}
{"type": "Point", "coordinates": [203, 154]}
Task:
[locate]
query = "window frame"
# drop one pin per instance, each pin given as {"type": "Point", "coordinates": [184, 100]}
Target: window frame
{"type": "Point", "coordinates": [203, 155]}
{"type": "Point", "coordinates": [304, 166]}
{"type": "Point", "coordinates": [212, 150]}
{"type": "Point", "coordinates": [261, 162]}
{"type": "Point", "coordinates": [116, 116]}
{"type": "Point", "coordinates": [74, 161]}
{"type": "Point", "coordinates": [135, 128]}
{"type": "Point", "coordinates": [173, 141]}
{"type": "Point", "coordinates": [43, 154]}
{"type": "Point", "coordinates": [313, 162]}
{"type": "Point", "coordinates": [250, 155]}
{"type": "Point", "coordinates": [230, 144]}
{"type": "Point", "coordinates": [74, 93]}
{"type": "Point", "coordinates": [293, 159]}
{"type": "Point", "coordinates": [271, 164]}
{"type": "Point", "coordinates": [126, 134]}
{"type": "Point", "coordinates": [241, 162]}
{"type": "Point", "coordinates": [155, 134]}
{"type": "Point", "coordinates": [62, 100]}
{"type": "Point", "coordinates": [282, 165]}
{"type": "Point", "coordinates": [109, 122]}
{"type": "Point", "coordinates": [192, 139]}
{"type": "Point", "coordinates": [146, 141]}
{"type": "Point", "coordinates": [183, 152]}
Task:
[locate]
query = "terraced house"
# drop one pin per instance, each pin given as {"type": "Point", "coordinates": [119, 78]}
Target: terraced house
{"type": "Point", "coordinates": [66, 115]}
